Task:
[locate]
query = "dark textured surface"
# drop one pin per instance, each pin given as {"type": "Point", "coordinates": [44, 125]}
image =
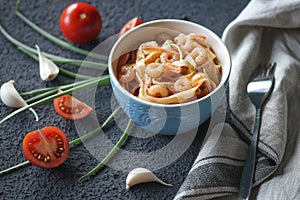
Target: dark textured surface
{"type": "Point", "coordinates": [31, 182]}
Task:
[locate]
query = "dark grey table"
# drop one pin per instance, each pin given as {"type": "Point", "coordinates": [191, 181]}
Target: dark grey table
{"type": "Point", "coordinates": [31, 182]}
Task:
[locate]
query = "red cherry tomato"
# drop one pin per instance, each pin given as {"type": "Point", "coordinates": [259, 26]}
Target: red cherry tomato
{"type": "Point", "coordinates": [46, 148]}
{"type": "Point", "coordinates": [130, 24]}
{"type": "Point", "coordinates": [71, 108]}
{"type": "Point", "coordinates": [80, 22]}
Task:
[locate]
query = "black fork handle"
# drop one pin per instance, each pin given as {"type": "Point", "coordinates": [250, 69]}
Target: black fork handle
{"type": "Point", "coordinates": [248, 171]}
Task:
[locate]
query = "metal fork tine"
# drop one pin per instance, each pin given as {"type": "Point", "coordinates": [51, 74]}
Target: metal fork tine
{"type": "Point", "coordinates": [268, 70]}
{"type": "Point", "coordinates": [271, 69]}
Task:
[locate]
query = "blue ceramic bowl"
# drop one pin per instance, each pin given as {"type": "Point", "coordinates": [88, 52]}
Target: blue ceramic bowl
{"type": "Point", "coordinates": [176, 118]}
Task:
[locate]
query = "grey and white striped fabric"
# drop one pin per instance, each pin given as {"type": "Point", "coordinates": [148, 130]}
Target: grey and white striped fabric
{"type": "Point", "coordinates": [265, 31]}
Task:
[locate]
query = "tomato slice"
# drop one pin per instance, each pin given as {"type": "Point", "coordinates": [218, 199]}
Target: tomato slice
{"type": "Point", "coordinates": [46, 148]}
{"type": "Point", "coordinates": [71, 108]}
{"type": "Point", "coordinates": [130, 24]}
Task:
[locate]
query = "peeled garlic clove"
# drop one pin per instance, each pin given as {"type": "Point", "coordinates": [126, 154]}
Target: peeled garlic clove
{"type": "Point", "coordinates": [142, 175]}
{"type": "Point", "coordinates": [48, 69]}
{"type": "Point", "coordinates": [11, 97]}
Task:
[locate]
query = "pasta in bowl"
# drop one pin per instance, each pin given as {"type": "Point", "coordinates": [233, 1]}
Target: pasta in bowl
{"type": "Point", "coordinates": [169, 75]}
{"type": "Point", "coordinates": [172, 72]}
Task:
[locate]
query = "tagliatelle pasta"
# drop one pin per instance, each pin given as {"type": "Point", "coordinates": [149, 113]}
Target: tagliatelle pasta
{"type": "Point", "coordinates": [171, 71]}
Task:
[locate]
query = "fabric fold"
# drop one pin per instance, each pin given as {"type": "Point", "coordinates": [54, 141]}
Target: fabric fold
{"type": "Point", "coordinates": [265, 32]}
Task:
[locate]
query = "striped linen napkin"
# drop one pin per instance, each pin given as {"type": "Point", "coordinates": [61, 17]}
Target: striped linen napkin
{"type": "Point", "coordinates": [265, 31]}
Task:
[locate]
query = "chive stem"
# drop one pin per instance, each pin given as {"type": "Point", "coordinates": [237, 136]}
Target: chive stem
{"type": "Point", "coordinates": [94, 82]}
{"type": "Point", "coordinates": [74, 75]}
{"type": "Point", "coordinates": [55, 90]}
{"type": "Point", "coordinates": [40, 96]}
{"type": "Point", "coordinates": [90, 81]}
{"type": "Point", "coordinates": [73, 142]}
{"type": "Point", "coordinates": [54, 58]}
{"type": "Point", "coordinates": [62, 70]}
{"type": "Point", "coordinates": [36, 91]}
{"type": "Point", "coordinates": [15, 167]}
{"type": "Point", "coordinates": [42, 90]}
{"type": "Point", "coordinates": [110, 117]}
{"type": "Point", "coordinates": [116, 111]}
{"type": "Point", "coordinates": [111, 153]}
{"type": "Point", "coordinates": [57, 40]}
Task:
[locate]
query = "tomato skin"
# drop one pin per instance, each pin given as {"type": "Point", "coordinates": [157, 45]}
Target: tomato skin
{"type": "Point", "coordinates": [80, 22]}
{"type": "Point", "coordinates": [71, 108]}
{"type": "Point", "coordinates": [46, 148]}
{"type": "Point", "coordinates": [130, 24]}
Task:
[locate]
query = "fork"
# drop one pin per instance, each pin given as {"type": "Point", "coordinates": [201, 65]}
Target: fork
{"type": "Point", "coordinates": [258, 89]}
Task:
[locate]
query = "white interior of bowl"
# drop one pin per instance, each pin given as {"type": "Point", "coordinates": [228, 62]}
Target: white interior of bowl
{"type": "Point", "coordinates": [149, 31]}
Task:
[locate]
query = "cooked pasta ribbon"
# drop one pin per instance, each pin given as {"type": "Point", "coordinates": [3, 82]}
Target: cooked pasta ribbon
{"type": "Point", "coordinates": [177, 71]}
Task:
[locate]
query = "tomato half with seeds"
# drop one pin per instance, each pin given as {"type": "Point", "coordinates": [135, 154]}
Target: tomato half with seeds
{"type": "Point", "coordinates": [71, 108]}
{"type": "Point", "coordinates": [130, 24]}
{"type": "Point", "coordinates": [46, 148]}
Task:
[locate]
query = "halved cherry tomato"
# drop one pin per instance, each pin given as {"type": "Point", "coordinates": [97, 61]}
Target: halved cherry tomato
{"type": "Point", "coordinates": [130, 24]}
{"type": "Point", "coordinates": [71, 108]}
{"type": "Point", "coordinates": [80, 22]}
{"type": "Point", "coordinates": [46, 148]}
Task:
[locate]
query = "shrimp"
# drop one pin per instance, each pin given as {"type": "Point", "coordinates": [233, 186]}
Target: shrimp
{"type": "Point", "coordinates": [185, 43]}
{"type": "Point", "coordinates": [158, 91]}
{"type": "Point", "coordinates": [197, 78]}
{"type": "Point", "coordinates": [169, 56]}
{"type": "Point", "coordinates": [182, 84]}
{"type": "Point", "coordinates": [200, 55]}
{"type": "Point", "coordinates": [154, 70]}
{"type": "Point", "coordinates": [127, 74]}
{"type": "Point", "coordinates": [199, 38]}
{"type": "Point", "coordinates": [158, 52]}
{"type": "Point", "coordinates": [174, 70]}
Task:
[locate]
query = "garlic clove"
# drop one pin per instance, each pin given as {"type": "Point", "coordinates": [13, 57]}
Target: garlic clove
{"type": "Point", "coordinates": [48, 69]}
{"type": "Point", "coordinates": [11, 97]}
{"type": "Point", "coordinates": [142, 175]}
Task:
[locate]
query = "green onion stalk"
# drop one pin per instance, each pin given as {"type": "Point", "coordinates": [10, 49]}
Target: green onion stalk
{"type": "Point", "coordinates": [62, 70]}
{"type": "Point", "coordinates": [100, 81]}
{"type": "Point", "coordinates": [41, 96]}
{"type": "Point", "coordinates": [72, 143]}
{"type": "Point", "coordinates": [55, 39]}
{"type": "Point", "coordinates": [44, 92]}
{"type": "Point", "coordinates": [111, 153]}
{"type": "Point", "coordinates": [54, 58]}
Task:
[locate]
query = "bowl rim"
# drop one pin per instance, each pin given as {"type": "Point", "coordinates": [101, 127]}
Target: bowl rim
{"type": "Point", "coordinates": [116, 82]}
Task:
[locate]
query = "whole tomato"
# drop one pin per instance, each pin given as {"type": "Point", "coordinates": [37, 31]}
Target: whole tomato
{"type": "Point", "coordinates": [80, 22]}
